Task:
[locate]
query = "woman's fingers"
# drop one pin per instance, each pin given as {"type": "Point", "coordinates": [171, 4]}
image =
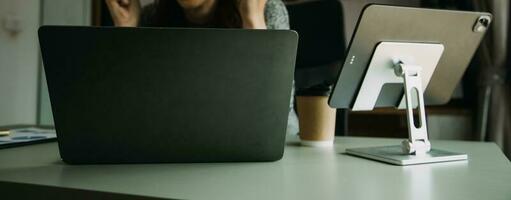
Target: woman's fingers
{"type": "Point", "coordinates": [124, 12]}
{"type": "Point", "coordinates": [116, 10]}
{"type": "Point", "coordinates": [124, 2]}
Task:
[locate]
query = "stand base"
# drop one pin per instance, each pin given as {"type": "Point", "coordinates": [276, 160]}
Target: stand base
{"type": "Point", "coordinates": [394, 155]}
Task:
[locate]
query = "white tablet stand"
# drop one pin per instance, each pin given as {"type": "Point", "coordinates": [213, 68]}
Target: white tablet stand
{"type": "Point", "coordinates": [413, 65]}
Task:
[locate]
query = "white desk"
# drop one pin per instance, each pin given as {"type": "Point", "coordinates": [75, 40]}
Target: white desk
{"type": "Point", "coordinates": [303, 173]}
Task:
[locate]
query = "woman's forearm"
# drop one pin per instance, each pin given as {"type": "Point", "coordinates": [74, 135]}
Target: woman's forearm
{"type": "Point", "coordinates": [252, 13]}
{"type": "Point", "coordinates": [255, 23]}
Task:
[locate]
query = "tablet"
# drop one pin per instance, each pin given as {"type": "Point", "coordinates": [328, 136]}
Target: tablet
{"type": "Point", "coordinates": [460, 33]}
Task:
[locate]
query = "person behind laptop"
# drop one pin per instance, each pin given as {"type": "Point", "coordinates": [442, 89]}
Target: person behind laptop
{"type": "Point", "coordinates": [248, 14]}
{"type": "Point", "coordinates": [253, 14]}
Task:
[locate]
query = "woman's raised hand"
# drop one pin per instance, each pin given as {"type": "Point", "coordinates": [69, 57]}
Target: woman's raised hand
{"type": "Point", "coordinates": [124, 12]}
{"type": "Point", "coordinates": [252, 13]}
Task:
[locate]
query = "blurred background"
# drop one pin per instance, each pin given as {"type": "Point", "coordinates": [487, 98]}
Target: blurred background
{"type": "Point", "coordinates": [479, 110]}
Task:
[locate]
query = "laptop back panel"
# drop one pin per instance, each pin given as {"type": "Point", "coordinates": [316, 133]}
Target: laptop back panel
{"type": "Point", "coordinates": [141, 95]}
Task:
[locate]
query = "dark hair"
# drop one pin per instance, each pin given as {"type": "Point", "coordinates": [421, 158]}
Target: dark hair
{"type": "Point", "coordinates": [170, 13]}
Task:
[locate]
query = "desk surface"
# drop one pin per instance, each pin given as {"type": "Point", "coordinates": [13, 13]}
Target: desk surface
{"type": "Point", "coordinates": [303, 173]}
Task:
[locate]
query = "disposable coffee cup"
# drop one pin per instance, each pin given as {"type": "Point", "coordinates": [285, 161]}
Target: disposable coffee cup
{"type": "Point", "coordinates": [317, 121]}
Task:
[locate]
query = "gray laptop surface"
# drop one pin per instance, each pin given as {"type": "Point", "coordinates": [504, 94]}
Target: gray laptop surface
{"type": "Point", "coordinates": [145, 95]}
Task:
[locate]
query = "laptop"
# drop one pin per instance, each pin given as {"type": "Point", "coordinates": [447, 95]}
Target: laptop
{"type": "Point", "coordinates": [152, 95]}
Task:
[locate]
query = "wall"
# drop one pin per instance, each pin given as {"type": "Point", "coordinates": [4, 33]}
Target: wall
{"type": "Point", "coordinates": [19, 61]}
{"type": "Point", "coordinates": [23, 91]}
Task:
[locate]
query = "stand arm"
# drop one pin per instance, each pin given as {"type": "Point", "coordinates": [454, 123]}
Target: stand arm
{"type": "Point", "coordinates": [417, 142]}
